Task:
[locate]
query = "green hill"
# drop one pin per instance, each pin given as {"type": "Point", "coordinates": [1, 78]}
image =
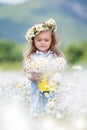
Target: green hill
{"type": "Point", "coordinates": [16, 19]}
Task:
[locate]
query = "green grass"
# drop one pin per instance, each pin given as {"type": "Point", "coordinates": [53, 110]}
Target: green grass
{"type": "Point", "coordinates": [11, 66]}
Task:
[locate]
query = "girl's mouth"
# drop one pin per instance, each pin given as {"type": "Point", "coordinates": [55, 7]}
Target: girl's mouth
{"type": "Point", "coordinates": [42, 46]}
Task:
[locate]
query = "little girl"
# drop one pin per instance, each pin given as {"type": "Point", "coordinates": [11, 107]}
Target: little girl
{"type": "Point", "coordinates": [43, 64]}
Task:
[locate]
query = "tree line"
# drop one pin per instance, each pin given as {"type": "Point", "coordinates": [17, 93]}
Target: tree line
{"type": "Point", "coordinates": [13, 52]}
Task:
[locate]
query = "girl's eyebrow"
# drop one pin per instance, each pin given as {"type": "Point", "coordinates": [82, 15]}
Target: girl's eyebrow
{"type": "Point", "coordinates": [38, 38]}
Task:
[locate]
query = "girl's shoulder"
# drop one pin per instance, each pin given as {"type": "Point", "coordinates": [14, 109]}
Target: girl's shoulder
{"type": "Point", "coordinates": [33, 56]}
{"type": "Point", "coordinates": [60, 55]}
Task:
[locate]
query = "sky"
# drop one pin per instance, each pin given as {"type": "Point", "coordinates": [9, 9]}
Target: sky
{"type": "Point", "coordinates": [11, 1]}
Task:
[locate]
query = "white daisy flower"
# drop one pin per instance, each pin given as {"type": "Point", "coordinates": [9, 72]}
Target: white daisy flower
{"type": "Point", "coordinates": [51, 21]}
{"type": "Point", "coordinates": [46, 94]}
{"type": "Point", "coordinates": [19, 86]}
{"type": "Point", "coordinates": [29, 34]}
{"type": "Point", "coordinates": [51, 104]}
{"type": "Point", "coordinates": [54, 100]}
{"type": "Point", "coordinates": [39, 27]}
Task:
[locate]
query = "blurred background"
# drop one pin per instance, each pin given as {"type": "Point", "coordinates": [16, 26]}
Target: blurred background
{"type": "Point", "coordinates": [16, 16]}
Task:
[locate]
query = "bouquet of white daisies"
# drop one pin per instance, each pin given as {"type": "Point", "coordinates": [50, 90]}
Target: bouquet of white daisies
{"type": "Point", "coordinates": [52, 69]}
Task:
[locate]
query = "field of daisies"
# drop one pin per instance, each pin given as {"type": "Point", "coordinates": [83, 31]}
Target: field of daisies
{"type": "Point", "coordinates": [14, 103]}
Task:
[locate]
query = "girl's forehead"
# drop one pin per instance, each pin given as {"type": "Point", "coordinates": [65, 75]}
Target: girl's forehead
{"type": "Point", "coordinates": [44, 33]}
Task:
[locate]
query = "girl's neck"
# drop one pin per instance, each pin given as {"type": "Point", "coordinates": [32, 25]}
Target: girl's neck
{"type": "Point", "coordinates": [44, 52]}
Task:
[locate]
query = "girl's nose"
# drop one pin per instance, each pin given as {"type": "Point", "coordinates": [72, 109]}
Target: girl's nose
{"type": "Point", "coordinates": [43, 42]}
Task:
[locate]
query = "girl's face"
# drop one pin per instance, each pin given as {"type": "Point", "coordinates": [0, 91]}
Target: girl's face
{"type": "Point", "coordinates": [42, 41]}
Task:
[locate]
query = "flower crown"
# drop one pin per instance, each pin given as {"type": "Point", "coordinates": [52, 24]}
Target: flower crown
{"type": "Point", "coordinates": [35, 30]}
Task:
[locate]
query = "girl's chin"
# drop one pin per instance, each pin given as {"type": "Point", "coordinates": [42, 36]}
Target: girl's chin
{"type": "Point", "coordinates": [44, 51]}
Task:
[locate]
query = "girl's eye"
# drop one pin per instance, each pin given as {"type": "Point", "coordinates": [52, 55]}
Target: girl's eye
{"type": "Point", "coordinates": [46, 40]}
{"type": "Point", "coordinates": [39, 40]}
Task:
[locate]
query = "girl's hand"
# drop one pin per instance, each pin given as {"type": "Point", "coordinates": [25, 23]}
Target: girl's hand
{"type": "Point", "coordinates": [36, 77]}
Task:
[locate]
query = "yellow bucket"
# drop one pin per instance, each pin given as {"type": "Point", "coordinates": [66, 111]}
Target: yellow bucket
{"type": "Point", "coordinates": [44, 85]}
